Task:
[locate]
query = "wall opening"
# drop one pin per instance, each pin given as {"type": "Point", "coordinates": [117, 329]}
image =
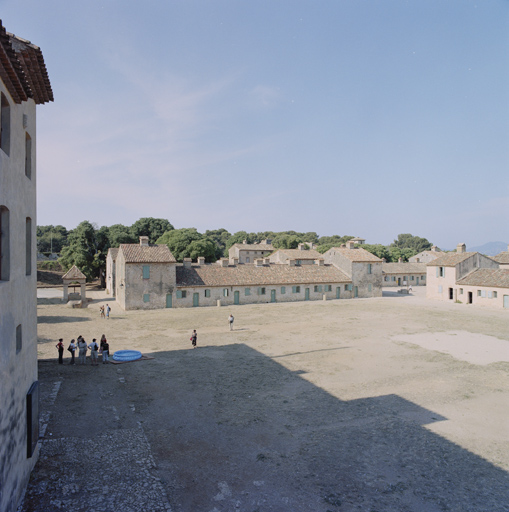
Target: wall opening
{"type": "Point", "coordinates": [28, 246]}
{"type": "Point", "coordinates": [5, 256]}
{"type": "Point", "coordinates": [5, 125]}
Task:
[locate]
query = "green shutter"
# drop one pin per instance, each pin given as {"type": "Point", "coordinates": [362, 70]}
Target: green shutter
{"type": "Point", "coordinates": [283, 290]}
{"type": "Point", "coordinates": [179, 294]}
{"type": "Point", "coordinates": [146, 297]}
{"type": "Point", "coordinates": [146, 271]}
{"type": "Point", "coordinates": [438, 270]}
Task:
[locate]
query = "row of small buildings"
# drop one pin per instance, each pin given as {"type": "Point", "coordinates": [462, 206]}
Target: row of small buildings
{"type": "Point", "coordinates": [143, 276]}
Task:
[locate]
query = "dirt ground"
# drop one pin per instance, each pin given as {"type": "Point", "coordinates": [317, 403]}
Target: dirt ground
{"type": "Point", "coordinates": [390, 404]}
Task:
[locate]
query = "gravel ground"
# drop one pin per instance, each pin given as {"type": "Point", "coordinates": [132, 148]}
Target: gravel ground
{"type": "Point", "coordinates": [362, 405]}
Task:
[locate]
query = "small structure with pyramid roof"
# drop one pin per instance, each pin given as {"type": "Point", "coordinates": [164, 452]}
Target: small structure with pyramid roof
{"type": "Point", "coordinates": [72, 276]}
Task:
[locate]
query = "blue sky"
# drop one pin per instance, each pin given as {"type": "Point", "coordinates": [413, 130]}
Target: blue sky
{"type": "Point", "coordinates": [367, 118]}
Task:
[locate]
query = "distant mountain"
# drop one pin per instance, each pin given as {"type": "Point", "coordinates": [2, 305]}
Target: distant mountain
{"type": "Point", "coordinates": [490, 249]}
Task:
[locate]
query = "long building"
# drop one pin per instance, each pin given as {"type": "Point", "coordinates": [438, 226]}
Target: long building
{"type": "Point", "coordinates": [24, 83]}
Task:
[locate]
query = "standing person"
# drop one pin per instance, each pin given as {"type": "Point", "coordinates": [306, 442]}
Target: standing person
{"type": "Point", "coordinates": [60, 347]}
{"type": "Point", "coordinates": [103, 341]}
{"type": "Point", "coordinates": [194, 338]}
{"type": "Point", "coordinates": [94, 352]}
{"type": "Point", "coordinates": [82, 347]}
{"type": "Point", "coordinates": [106, 350]}
{"type": "Point", "coordinates": [230, 321]}
{"type": "Point", "coordinates": [101, 309]}
{"type": "Point", "coordinates": [72, 349]}
{"type": "Point", "coordinates": [108, 309]}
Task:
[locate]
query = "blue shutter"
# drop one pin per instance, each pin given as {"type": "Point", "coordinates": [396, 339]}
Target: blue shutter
{"type": "Point", "coordinates": [146, 271]}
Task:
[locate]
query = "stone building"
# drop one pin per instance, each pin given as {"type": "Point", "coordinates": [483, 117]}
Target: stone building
{"type": "Point", "coordinates": [363, 268]}
{"type": "Point", "coordinates": [111, 259]}
{"type": "Point", "coordinates": [426, 256]}
{"type": "Point", "coordinates": [247, 253]}
{"type": "Point", "coordinates": [404, 274]}
{"type": "Point", "coordinates": [24, 83]}
{"type": "Point", "coordinates": [502, 258]}
{"type": "Point", "coordinates": [296, 256]}
{"type": "Point", "coordinates": [145, 275]}
{"type": "Point", "coordinates": [485, 287]}
{"type": "Point", "coordinates": [444, 273]}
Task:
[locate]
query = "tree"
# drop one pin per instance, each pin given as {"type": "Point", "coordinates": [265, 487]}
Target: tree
{"type": "Point", "coordinates": [220, 238]}
{"type": "Point", "coordinates": [151, 227]}
{"type": "Point", "coordinates": [378, 250]}
{"type": "Point", "coordinates": [180, 243]}
{"type": "Point", "coordinates": [51, 238]}
{"type": "Point", "coordinates": [120, 234]}
{"type": "Point", "coordinates": [81, 251]}
{"type": "Point", "coordinates": [238, 238]}
{"type": "Point", "coordinates": [408, 241]}
{"type": "Point", "coordinates": [285, 241]}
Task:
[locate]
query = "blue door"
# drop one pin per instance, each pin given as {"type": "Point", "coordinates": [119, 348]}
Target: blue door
{"type": "Point", "coordinates": [356, 291]}
{"type": "Point", "coordinates": [169, 300]}
{"type": "Point", "coordinates": [272, 295]}
{"type": "Point", "coordinates": [506, 301]}
{"type": "Point", "coordinates": [196, 299]}
{"type": "Point", "coordinates": [306, 297]}
{"type": "Point", "coordinates": [338, 291]}
{"type": "Point", "coordinates": [236, 297]}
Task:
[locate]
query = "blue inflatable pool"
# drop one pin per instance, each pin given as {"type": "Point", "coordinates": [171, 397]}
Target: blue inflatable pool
{"type": "Point", "coordinates": [126, 355]}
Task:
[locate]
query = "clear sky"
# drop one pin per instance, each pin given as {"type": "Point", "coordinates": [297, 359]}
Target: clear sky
{"type": "Point", "coordinates": [361, 117]}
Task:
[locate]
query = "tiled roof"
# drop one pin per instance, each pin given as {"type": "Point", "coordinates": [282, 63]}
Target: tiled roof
{"type": "Point", "coordinates": [502, 257]}
{"type": "Point", "coordinates": [250, 275]}
{"type": "Point", "coordinates": [357, 254]}
{"type": "Point", "coordinates": [113, 252]}
{"type": "Point", "coordinates": [492, 277]}
{"type": "Point", "coordinates": [298, 254]}
{"type": "Point", "coordinates": [450, 259]}
{"type": "Point", "coordinates": [403, 268]}
{"type": "Point", "coordinates": [22, 69]}
{"type": "Point", "coordinates": [74, 273]}
{"type": "Point", "coordinates": [254, 247]}
{"type": "Point", "coordinates": [136, 253]}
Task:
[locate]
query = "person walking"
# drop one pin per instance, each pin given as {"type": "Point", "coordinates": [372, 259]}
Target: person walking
{"type": "Point", "coordinates": [60, 347]}
{"type": "Point", "coordinates": [108, 309]}
{"type": "Point", "coordinates": [194, 338]}
{"type": "Point", "coordinates": [82, 347]}
{"type": "Point", "coordinates": [72, 349]}
{"type": "Point", "coordinates": [101, 310]}
{"type": "Point", "coordinates": [230, 321]}
{"type": "Point", "coordinates": [94, 352]}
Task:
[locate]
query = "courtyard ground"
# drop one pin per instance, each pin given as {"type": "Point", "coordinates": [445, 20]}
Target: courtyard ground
{"type": "Point", "coordinates": [389, 404]}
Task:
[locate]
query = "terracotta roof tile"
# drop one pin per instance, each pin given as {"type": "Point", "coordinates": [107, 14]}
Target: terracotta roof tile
{"type": "Point", "coordinates": [450, 259]}
{"type": "Point", "coordinates": [404, 268]}
{"type": "Point", "coordinates": [136, 253]}
{"type": "Point", "coordinates": [251, 275]}
{"type": "Point", "coordinates": [357, 254]}
{"type": "Point", "coordinates": [502, 257]}
{"type": "Point", "coordinates": [492, 277]}
{"type": "Point", "coordinates": [74, 273]}
{"type": "Point", "coordinates": [254, 247]}
{"type": "Point", "coordinates": [298, 254]}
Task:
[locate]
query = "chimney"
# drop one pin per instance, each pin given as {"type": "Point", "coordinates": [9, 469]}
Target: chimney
{"type": "Point", "coordinates": [187, 262]}
{"type": "Point", "coordinates": [320, 262]}
{"type": "Point", "coordinates": [400, 260]}
{"type": "Point", "coordinates": [461, 248]}
{"type": "Point", "coordinates": [266, 261]}
{"type": "Point", "coordinates": [291, 262]}
{"type": "Point", "coordinates": [301, 246]}
{"type": "Point", "coordinates": [235, 261]}
{"type": "Point", "coordinates": [258, 262]}
{"type": "Point", "coordinates": [223, 262]}
{"type": "Point", "coordinates": [350, 245]}
{"type": "Point", "coordinates": [201, 260]}
{"type": "Point", "coordinates": [434, 248]}
{"type": "Point", "coordinates": [384, 260]}
{"type": "Point", "coordinates": [144, 241]}
{"type": "Point", "coordinates": [244, 242]}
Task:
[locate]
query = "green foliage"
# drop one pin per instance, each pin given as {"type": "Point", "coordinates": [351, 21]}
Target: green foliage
{"type": "Point", "coordinates": [285, 241]}
{"type": "Point", "coordinates": [51, 238]}
{"type": "Point", "coordinates": [408, 241]}
{"type": "Point", "coordinates": [334, 240]}
{"type": "Point", "coordinates": [220, 237]}
{"type": "Point", "coordinates": [151, 227]}
{"type": "Point", "coordinates": [379, 250]}
{"type": "Point", "coordinates": [395, 253]}
{"type": "Point", "coordinates": [188, 243]}
{"type": "Point", "coordinates": [120, 234]}
{"type": "Point", "coordinates": [238, 238]}
{"type": "Point", "coordinates": [81, 251]}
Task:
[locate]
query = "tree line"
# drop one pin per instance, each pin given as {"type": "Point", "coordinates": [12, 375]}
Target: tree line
{"type": "Point", "coordinates": [87, 245]}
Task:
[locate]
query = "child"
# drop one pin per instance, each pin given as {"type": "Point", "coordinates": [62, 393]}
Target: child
{"type": "Point", "coordinates": [194, 337]}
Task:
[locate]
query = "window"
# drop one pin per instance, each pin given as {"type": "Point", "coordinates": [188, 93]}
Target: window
{"type": "Point", "coordinates": [440, 289]}
{"type": "Point", "coordinates": [295, 289]}
{"type": "Point", "coordinates": [423, 277]}
{"type": "Point", "coordinates": [386, 278]}
{"type": "Point", "coordinates": [28, 156]}
{"type": "Point", "coordinates": [146, 271]}
{"type": "Point", "coordinates": [370, 268]}
{"type": "Point", "coordinates": [5, 126]}
{"type": "Point", "coordinates": [207, 293]}
{"type": "Point", "coordinates": [478, 293]}
{"type": "Point", "coordinates": [349, 287]}
{"type": "Point", "coordinates": [318, 288]}
{"type": "Point", "coordinates": [405, 278]}
{"type": "Point", "coordinates": [19, 339]}
{"type": "Point", "coordinates": [328, 287]}
{"type": "Point", "coordinates": [225, 292]}
{"type": "Point", "coordinates": [247, 291]}
{"type": "Point", "coordinates": [394, 278]}
{"type": "Point", "coordinates": [5, 255]}
{"type": "Point", "coordinates": [494, 294]}
{"type": "Point", "coordinates": [412, 278]}
{"type": "Point", "coordinates": [440, 271]}
{"type": "Point", "coordinates": [261, 291]}
{"type": "Point", "coordinates": [370, 287]}
{"type": "Point", "coordinates": [146, 297]}
{"type": "Point", "coordinates": [28, 246]}
{"type": "Point", "coordinates": [181, 294]}
{"type": "Point", "coordinates": [283, 290]}
{"type": "Point", "coordinates": [483, 294]}
{"type": "Point", "coordinates": [247, 259]}
{"type": "Point", "coordinates": [461, 291]}
{"type": "Point", "coordinates": [298, 262]}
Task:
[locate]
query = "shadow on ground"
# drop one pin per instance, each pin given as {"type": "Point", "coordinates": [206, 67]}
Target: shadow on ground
{"type": "Point", "coordinates": [232, 430]}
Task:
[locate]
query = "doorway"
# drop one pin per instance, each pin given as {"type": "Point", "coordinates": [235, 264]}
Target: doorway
{"type": "Point", "coordinates": [236, 298]}
{"type": "Point", "coordinates": [272, 295]}
{"type": "Point", "coordinates": [306, 296]}
{"type": "Point", "coordinates": [169, 300]}
{"type": "Point", "coordinates": [196, 300]}
{"type": "Point", "coordinates": [470, 298]}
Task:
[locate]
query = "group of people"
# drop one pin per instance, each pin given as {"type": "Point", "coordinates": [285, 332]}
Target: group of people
{"type": "Point", "coordinates": [105, 311]}
{"type": "Point", "coordinates": [81, 346]}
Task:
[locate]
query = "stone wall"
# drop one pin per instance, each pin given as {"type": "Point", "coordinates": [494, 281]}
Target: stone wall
{"type": "Point", "coordinates": [18, 308]}
{"type": "Point", "coordinates": [397, 279]}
